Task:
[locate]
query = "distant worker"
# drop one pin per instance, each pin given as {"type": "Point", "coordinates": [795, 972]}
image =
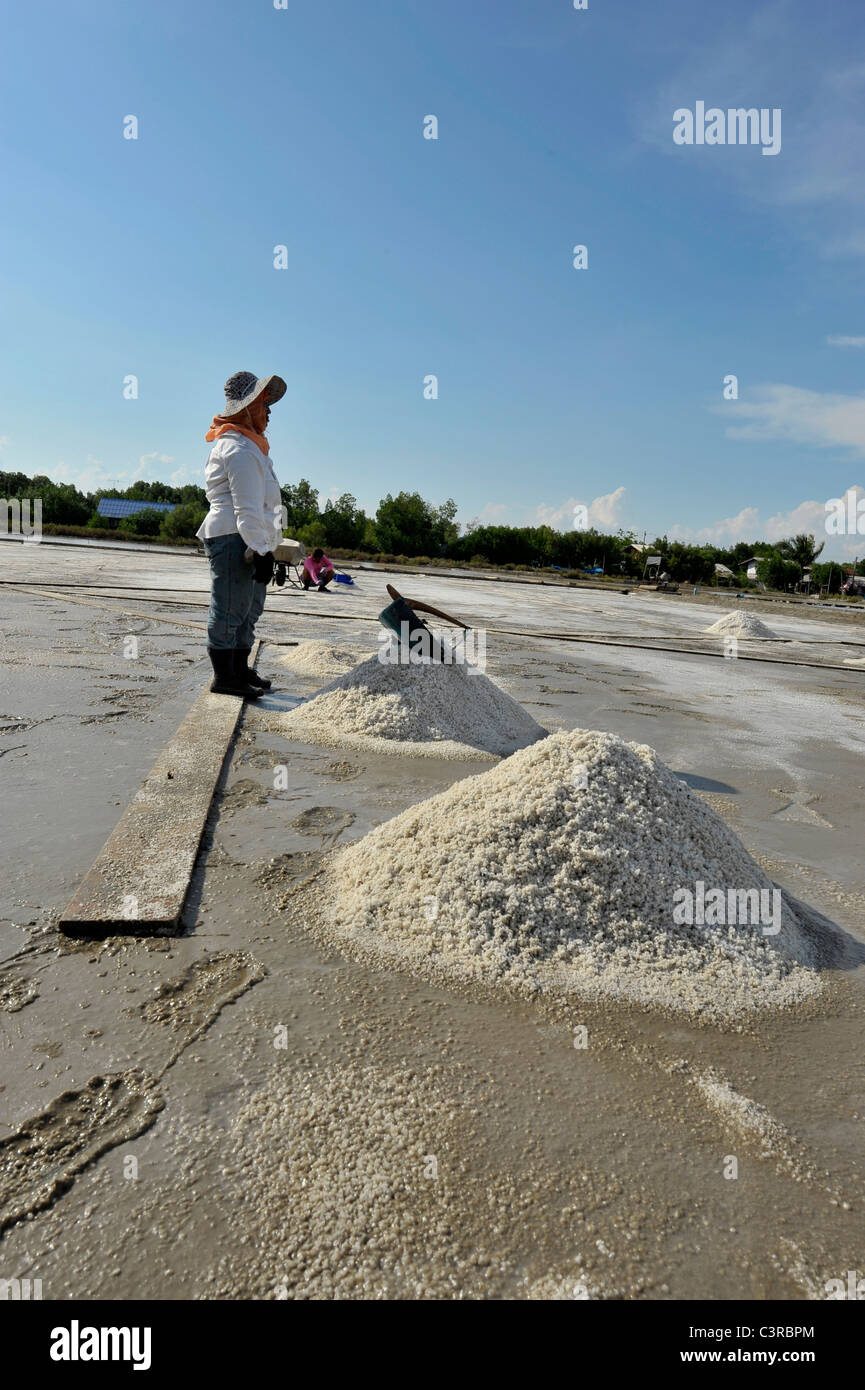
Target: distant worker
{"type": "Point", "coordinates": [241, 530]}
{"type": "Point", "coordinates": [317, 569]}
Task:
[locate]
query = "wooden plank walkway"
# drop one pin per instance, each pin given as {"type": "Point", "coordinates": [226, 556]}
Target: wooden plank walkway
{"type": "Point", "coordinates": [138, 882]}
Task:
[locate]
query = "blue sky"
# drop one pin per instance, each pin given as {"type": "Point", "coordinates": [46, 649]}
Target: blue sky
{"type": "Point", "coordinates": [303, 127]}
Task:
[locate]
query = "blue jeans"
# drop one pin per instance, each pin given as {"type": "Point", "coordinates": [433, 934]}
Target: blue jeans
{"type": "Point", "coordinates": [236, 600]}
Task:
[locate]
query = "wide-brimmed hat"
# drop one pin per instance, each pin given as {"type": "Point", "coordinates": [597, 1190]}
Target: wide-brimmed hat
{"type": "Point", "coordinates": [245, 387]}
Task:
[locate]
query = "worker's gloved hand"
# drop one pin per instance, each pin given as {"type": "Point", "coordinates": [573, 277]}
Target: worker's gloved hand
{"type": "Point", "coordinates": [263, 567]}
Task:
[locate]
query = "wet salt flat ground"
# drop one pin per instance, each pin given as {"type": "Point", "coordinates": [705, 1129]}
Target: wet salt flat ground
{"type": "Point", "coordinates": [558, 1170]}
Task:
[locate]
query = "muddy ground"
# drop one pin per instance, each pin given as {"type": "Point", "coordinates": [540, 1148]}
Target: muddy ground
{"type": "Point", "coordinates": [240, 1112]}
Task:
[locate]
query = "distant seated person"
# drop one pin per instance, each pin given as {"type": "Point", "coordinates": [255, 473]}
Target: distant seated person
{"type": "Point", "coordinates": [317, 569]}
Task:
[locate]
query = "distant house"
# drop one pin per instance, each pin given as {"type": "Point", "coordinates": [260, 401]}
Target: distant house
{"type": "Point", "coordinates": [113, 508]}
{"type": "Point", "coordinates": [749, 567]}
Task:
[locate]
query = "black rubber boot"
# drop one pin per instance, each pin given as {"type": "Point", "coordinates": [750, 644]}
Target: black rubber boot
{"type": "Point", "coordinates": [225, 680]}
{"type": "Point", "coordinates": [246, 672]}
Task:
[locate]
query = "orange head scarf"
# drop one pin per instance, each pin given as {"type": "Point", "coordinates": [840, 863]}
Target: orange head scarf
{"type": "Point", "coordinates": [225, 424]}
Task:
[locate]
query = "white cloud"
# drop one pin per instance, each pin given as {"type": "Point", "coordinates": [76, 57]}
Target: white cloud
{"type": "Point", "coordinates": [839, 340]}
{"type": "Point", "coordinates": [827, 419]}
{"type": "Point", "coordinates": [493, 514]}
{"type": "Point", "coordinates": [95, 477]}
{"type": "Point", "coordinates": [745, 525]}
{"type": "Point", "coordinates": [807, 517]}
{"type": "Point", "coordinates": [90, 477]}
{"type": "Point", "coordinates": [774, 59]}
{"type": "Point", "coordinates": [183, 475]}
{"type": "Point", "coordinates": [561, 518]}
{"type": "Point", "coordinates": [603, 512]}
{"type": "Point", "coordinates": [149, 463]}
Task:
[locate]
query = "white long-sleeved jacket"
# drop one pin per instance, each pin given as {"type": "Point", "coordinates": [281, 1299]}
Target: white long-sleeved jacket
{"type": "Point", "coordinates": [243, 493]}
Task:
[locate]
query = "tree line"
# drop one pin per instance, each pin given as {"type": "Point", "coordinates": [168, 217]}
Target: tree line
{"type": "Point", "coordinates": [407, 526]}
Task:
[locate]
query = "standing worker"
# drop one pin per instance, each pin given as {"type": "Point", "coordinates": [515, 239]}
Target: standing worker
{"type": "Point", "coordinates": [245, 515]}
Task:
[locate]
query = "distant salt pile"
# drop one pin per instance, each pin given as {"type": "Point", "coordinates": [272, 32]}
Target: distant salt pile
{"type": "Point", "coordinates": [435, 710]}
{"type": "Point", "coordinates": [555, 873]}
{"type": "Point", "coordinates": [741, 624]}
{"type": "Point", "coordinates": [322, 660]}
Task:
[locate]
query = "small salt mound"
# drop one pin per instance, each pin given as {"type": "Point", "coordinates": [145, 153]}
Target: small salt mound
{"type": "Point", "coordinates": [555, 872]}
{"type": "Point", "coordinates": [432, 710]}
{"type": "Point", "coordinates": [321, 659]}
{"type": "Point", "coordinates": [741, 624]}
{"type": "Point", "coordinates": [750, 1119]}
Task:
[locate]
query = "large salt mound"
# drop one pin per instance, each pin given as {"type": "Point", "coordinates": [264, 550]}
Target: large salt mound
{"type": "Point", "coordinates": [434, 710]}
{"type": "Point", "coordinates": [321, 659]}
{"type": "Point", "coordinates": [521, 879]}
{"type": "Point", "coordinates": [741, 624]}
